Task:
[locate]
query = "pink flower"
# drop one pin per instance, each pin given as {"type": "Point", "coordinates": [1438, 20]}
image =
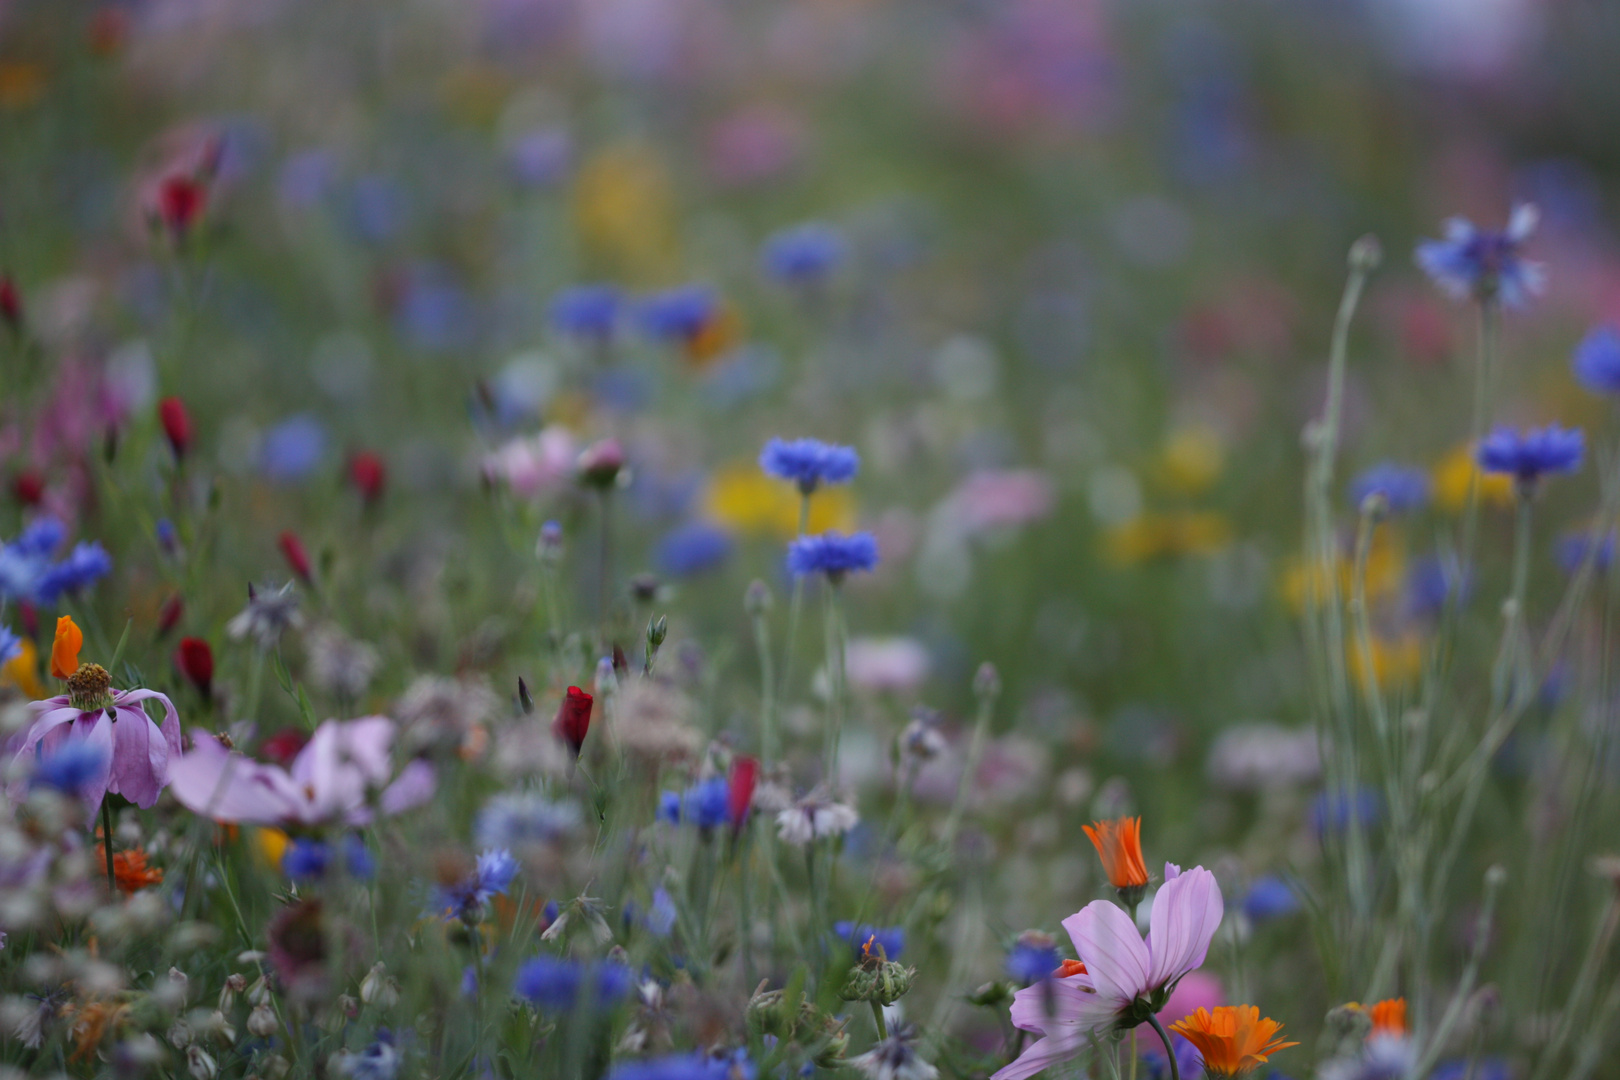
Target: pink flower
{"type": "Point", "coordinates": [534, 466]}
{"type": "Point", "coordinates": [1127, 978]}
{"type": "Point", "coordinates": [893, 664]}
{"type": "Point", "coordinates": [331, 779]}
{"type": "Point", "coordinates": [138, 753]}
{"type": "Point", "coordinates": [999, 498]}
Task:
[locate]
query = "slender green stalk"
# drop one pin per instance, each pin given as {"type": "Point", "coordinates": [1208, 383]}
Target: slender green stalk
{"type": "Point", "coordinates": [795, 608]}
{"type": "Point", "coordinates": [877, 1017]}
{"type": "Point", "coordinates": [988, 688]}
{"type": "Point", "coordinates": [767, 688]}
{"type": "Point", "coordinates": [1494, 877]}
{"type": "Point", "coordinates": [107, 844]}
{"type": "Point", "coordinates": [1581, 989]}
{"type": "Point", "coordinates": [1169, 1051]}
{"type": "Point", "coordinates": [836, 690]}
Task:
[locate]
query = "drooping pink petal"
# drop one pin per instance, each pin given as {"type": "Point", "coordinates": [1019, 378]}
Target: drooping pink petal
{"type": "Point", "coordinates": [366, 744]}
{"type": "Point", "coordinates": [1112, 949]}
{"type": "Point", "coordinates": [413, 787]}
{"type": "Point", "coordinates": [1062, 1006]}
{"type": "Point", "coordinates": [1040, 1055]}
{"type": "Point", "coordinates": [225, 786]}
{"type": "Point", "coordinates": [49, 719]}
{"type": "Point", "coordinates": [1186, 913]}
{"type": "Point", "coordinates": [132, 774]}
{"type": "Point", "coordinates": [171, 719]}
{"type": "Point", "coordinates": [100, 736]}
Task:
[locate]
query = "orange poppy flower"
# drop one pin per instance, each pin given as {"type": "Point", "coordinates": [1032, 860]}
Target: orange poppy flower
{"type": "Point", "coordinates": [1119, 844]}
{"type": "Point", "coordinates": [130, 869]}
{"type": "Point", "coordinates": [65, 649]}
{"type": "Point", "coordinates": [1388, 1016]}
{"type": "Point", "coordinates": [1233, 1039]}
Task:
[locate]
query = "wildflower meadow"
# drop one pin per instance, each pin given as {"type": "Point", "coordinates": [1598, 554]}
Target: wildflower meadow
{"type": "Point", "coordinates": [774, 539]}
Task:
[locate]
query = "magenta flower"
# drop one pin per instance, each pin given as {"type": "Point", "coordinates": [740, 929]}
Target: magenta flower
{"type": "Point", "coordinates": [1126, 978]}
{"type": "Point", "coordinates": [136, 753]}
{"type": "Point", "coordinates": [331, 779]}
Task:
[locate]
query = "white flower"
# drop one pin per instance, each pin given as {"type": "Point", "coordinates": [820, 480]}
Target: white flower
{"type": "Point", "coordinates": [895, 1058]}
{"type": "Point", "coordinates": [815, 817]}
{"type": "Point", "coordinates": [199, 1064]}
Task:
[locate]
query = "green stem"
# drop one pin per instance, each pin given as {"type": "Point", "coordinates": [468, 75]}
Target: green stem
{"type": "Point", "coordinates": [834, 627]}
{"type": "Point", "coordinates": [767, 687]}
{"type": "Point", "coordinates": [981, 728]}
{"type": "Point", "coordinates": [107, 844]}
{"type": "Point", "coordinates": [1169, 1051]}
{"type": "Point", "coordinates": [877, 1015]}
{"type": "Point", "coordinates": [795, 608]}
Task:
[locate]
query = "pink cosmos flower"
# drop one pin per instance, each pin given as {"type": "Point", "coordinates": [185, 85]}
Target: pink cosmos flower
{"type": "Point", "coordinates": [536, 465]}
{"type": "Point", "coordinates": [1127, 978]}
{"type": "Point", "coordinates": [330, 779]}
{"type": "Point", "coordinates": [138, 753]}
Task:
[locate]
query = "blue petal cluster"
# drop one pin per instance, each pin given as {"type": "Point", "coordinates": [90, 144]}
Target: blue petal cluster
{"type": "Point", "coordinates": [705, 804]}
{"type": "Point", "coordinates": [804, 254]}
{"type": "Point", "coordinates": [1597, 360]}
{"type": "Point", "coordinates": [1574, 549]}
{"type": "Point", "coordinates": [1270, 898]}
{"type": "Point", "coordinates": [466, 898]}
{"type": "Point", "coordinates": [832, 554]}
{"type": "Point", "coordinates": [734, 1066]}
{"type": "Point", "coordinates": [1028, 963]}
{"type": "Point", "coordinates": [521, 819]}
{"type": "Point", "coordinates": [1527, 455]}
{"type": "Point", "coordinates": [10, 644]}
{"type": "Point", "coordinates": [891, 939]}
{"type": "Point", "coordinates": [809, 463]}
{"type": "Point", "coordinates": [293, 449]}
{"type": "Point", "coordinates": [1403, 487]}
{"type": "Point", "coordinates": [692, 549]}
{"type": "Point", "coordinates": [71, 766]}
{"type": "Point", "coordinates": [555, 984]}
{"type": "Point", "coordinates": [1430, 583]}
{"type": "Point", "coordinates": [28, 571]}
{"type": "Point", "coordinates": [679, 314]}
{"type": "Point", "coordinates": [1484, 264]}
{"type": "Point", "coordinates": [587, 311]}
{"type": "Point", "coordinates": [308, 860]}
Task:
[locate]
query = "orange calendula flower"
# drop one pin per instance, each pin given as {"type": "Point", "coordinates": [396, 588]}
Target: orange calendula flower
{"type": "Point", "coordinates": [1119, 844]}
{"type": "Point", "coordinates": [22, 671]}
{"type": "Point", "coordinates": [65, 650]}
{"type": "Point", "coordinates": [1069, 967]}
{"type": "Point", "coordinates": [1233, 1039]}
{"type": "Point", "coordinates": [130, 869]}
{"type": "Point", "coordinates": [1388, 1016]}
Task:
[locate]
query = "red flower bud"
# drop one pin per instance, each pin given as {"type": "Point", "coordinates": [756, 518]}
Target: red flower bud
{"type": "Point", "coordinates": [284, 745]}
{"type": "Point", "coordinates": [573, 718]}
{"type": "Point", "coordinates": [169, 614]}
{"type": "Point", "coordinates": [28, 487]}
{"type": "Point", "coordinates": [196, 662]}
{"type": "Point", "coordinates": [368, 474]}
{"type": "Point", "coordinates": [600, 463]}
{"type": "Point", "coordinates": [180, 203]}
{"type": "Point", "coordinates": [297, 558]}
{"type": "Point", "coordinates": [740, 789]}
{"type": "Point", "coordinates": [10, 302]}
{"type": "Point", "coordinates": [176, 424]}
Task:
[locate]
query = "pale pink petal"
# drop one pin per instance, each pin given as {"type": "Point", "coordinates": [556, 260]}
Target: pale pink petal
{"type": "Point", "coordinates": [48, 721]}
{"type": "Point", "coordinates": [415, 786]}
{"type": "Point", "coordinates": [1186, 913]}
{"type": "Point", "coordinates": [1074, 1006]}
{"type": "Point", "coordinates": [366, 743]}
{"type": "Point", "coordinates": [1041, 1055]}
{"type": "Point", "coordinates": [171, 719]}
{"type": "Point", "coordinates": [132, 773]}
{"type": "Point", "coordinates": [1112, 949]}
{"type": "Point", "coordinates": [100, 736]}
{"type": "Point", "coordinates": [218, 784]}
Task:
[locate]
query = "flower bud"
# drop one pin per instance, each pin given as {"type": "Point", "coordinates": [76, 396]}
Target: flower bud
{"type": "Point", "coordinates": [378, 989]}
{"type": "Point", "coordinates": [262, 1021]}
{"type": "Point", "coordinates": [757, 599]}
{"type": "Point", "coordinates": [1366, 253]}
{"type": "Point", "coordinates": [987, 681]}
{"type": "Point", "coordinates": [199, 1064]}
{"type": "Point", "coordinates": [176, 425]}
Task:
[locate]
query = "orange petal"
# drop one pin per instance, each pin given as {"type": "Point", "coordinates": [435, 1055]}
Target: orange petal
{"type": "Point", "coordinates": [65, 649]}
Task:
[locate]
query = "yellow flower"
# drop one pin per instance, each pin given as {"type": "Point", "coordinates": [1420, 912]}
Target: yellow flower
{"type": "Point", "coordinates": [1396, 662]}
{"type": "Point", "coordinates": [1193, 459]}
{"type": "Point", "coordinates": [745, 500]}
{"type": "Point", "coordinates": [22, 671]}
{"type": "Point", "coordinates": [1160, 536]}
{"type": "Point", "coordinates": [1456, 471]}
{"type": "Point", "coordinates": [625, 214]}
{"type": "Point", "coordinates": [1386, 570]}
{"type": "Point", "coordinates": [271, 845]}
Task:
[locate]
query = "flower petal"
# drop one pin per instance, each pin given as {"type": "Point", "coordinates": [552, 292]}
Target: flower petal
{"type": "Point", "coordinates": [216, 783]}
{"type": "Point", "coordinates": [1186, 913]}
{"type": "Point", "coordinates": [1040, 1055]}
{"type": "Point", "coordinates": [132, 774]}
{"type": "Point", "coordinates": [1115, 956]}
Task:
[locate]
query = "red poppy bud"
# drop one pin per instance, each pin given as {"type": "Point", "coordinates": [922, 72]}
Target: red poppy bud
{"type": "Point", "coordinates": [176, 424]}
{"type": "Point", "coordinates": [297, 558]}
{"type": "Point", "coordinates": [180, 203]}
{"type": "Point", "coordinates": [169, 614]}
{"type": "Point", "coordinates": [196, 662]}
{"type": "Point", "coordinates": [368, 474]}
{"type": "Point", "coordinates": [573, 718]}
{"type": "Point", "coordinates": [740, 789]}
{"type": "Point", "coordinates": [10, 302]}
{"type": "Point", "coordinates": [28, 487]}
{"type": "Point", "coordinates": [283, 746]}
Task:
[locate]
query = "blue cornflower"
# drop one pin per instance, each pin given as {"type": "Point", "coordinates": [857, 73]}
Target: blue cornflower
{"type": "Point", "coordinates": [1430, 583]}
{"type": "Point", "coordinates": [809, 462]}
{"type": "Point", "coordinates": [10, 644]}
{"type": "Point", "coordinates": [891, 939]}
{"type": "Point", "coordinates": [541, 157]}
{"type": "Point", "coordinates": [41, 537]}
{"type": "Point", "coordinates": [735, 1066]}
{"type": "Point", "coordinates": [87, 563]}
{"type": "Point", "coordinates": [832, 554]}
{"type": "Point", "coordinates": [1574, 549]}
{"type": "Point", "coordinates": [662, 915]}
{"type": "Point", "coordinates": [555, 985]}
{"type": "Point", "coordinates": [466, 898]}
{"type": "Point", "coordinates": [1485, 265]}
{"type": "Point", "coordinates": [587, 311]}
{"type": "Point", "coordinates": [1403, 487]}
{"type": "Point", "coordinates": [305, 860]}
{"type": "Point", "coordinates": [292, 449]}
{"type": "Point", "coordinates": [1527, 455]}
{"type": "Point", "coordinates": [1597, 360]}
{"type": "Point", "coordinates": [679, 314]}
{"type": "Point", "coordinates": [358, 859]}
{"type": "Point", "coordinates": [521, 819]}
{"type": "Point", "coordinates": [167, 536]}
{"type": "Point", "coordinates": [804, 254]}
{"type": "Point", "coordinates": [379, 1061]}
{"type": "Point", "coordinates": [706, 804]}
{"type": "Point", "coordinates": [1270, 898]}
{"type": "Point", "coordinates": [1032, 959]}
{"type": "Point", "coordinates": [70, 767]}
{"type": "Point", "coordinates": [1491, 1068]}
{"type": "Point", "coordinates": [692, 549]}
{"type": "Point", "coordinates": [1333, 811]}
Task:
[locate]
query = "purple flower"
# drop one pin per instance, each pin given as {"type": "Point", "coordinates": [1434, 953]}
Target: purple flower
{"type": "Point", "coordinates": [70, 768]}
{"type": "Point", "coordinates": [891, 940]}
{"type": "Point", "coordinates": [555, 985]}
{"type": "Point", "coordinates": [10, 644]}
{"type": "Point", "coordinates": [1127, 978]}
{"type": "Point", "coordinates": [1270, 898]}
{"type": "Point", "coordinates": [809, 463]}
{"type": "Point", "coordinates": [292, 449]}
{"type": "Point", "coordinates": [685, 1067]}
{"type": "Point", "coordinates": [1597, 360]}
{"type": "Point", "coordinates": [135, 753]}
{"type": "Point", "coordinates": [331, 779]}
{"type": "Point", "coordinates": [832, 554]}
{"type": "Point", "coordinates": [693, 548]}
{"type": "Point", "coordinates": [540, 157]}
{"type": "Point", "coordinates": [491, 877]}
{"type": "Point", "coordinates": [804, 255]}
{"type": "Point", "coordinates": [1403, 488]}
{"type": "Point", "coordinates": [1032, 959]}
{"type": "Point", "coordinates": [1485, 265]}
{"type": "Point", "coordinates": [85, 564]}
{"type": "Point", "coordinates": [1576, 548]}
{"type": "Point", "coordinates": [587, 311]}
{"type": "Point", "coordinates": [679, 314]}
{"type": "Point", "coordinates": [1527, 455]}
